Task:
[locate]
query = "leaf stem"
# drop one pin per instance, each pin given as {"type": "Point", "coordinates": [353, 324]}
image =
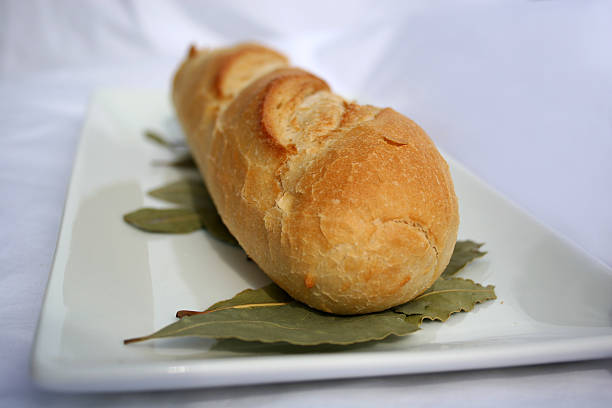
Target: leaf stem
{"type": "Point", "coordinates": [136, 339]}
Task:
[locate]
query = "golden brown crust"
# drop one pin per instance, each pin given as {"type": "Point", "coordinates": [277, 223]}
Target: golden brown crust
{"type": "Point", "coordinates": [349, 208]}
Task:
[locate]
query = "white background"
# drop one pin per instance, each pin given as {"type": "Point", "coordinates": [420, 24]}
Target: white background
{"type": "Point", "coordinates": [518, 91]}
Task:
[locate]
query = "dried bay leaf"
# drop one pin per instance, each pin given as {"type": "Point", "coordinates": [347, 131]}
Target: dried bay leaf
{"type": "Point", "coordinates": [447, 296]}
{"type": "Point", "coordinates": [161, 141]}
{"type": "Point", "coordinates": [157, 138]}
{"type": "Point", "coordinates": [194, 194]}
{"type": "Point", "coordinates": [241, 347]}
{"type": "Point", "coordinates": [213, 224]}
{"type": "Point", "coordinates": [185, 161]}
{"type": "Point", "coordinates": [464, 253]}
{"type": "Point", "coordinates": [190, 193]}
{"type": "Point", "coordinates": [171, 220]}
{"type": "Point", "coordinates": [288, 321]}
{"type": "Point", "coordinates": [180, 221]}
{"type": "Point", "coordinates": [269, 315]}
{"type": "Point", "coordinates": [292, 323]}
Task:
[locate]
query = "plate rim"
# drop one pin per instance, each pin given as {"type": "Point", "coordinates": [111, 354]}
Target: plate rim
{"type": "Point", "coordinates": [268, 369]}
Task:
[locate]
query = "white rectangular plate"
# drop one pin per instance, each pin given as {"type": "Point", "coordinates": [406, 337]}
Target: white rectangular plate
{"type": "Point", "coordinates": [110, 282]}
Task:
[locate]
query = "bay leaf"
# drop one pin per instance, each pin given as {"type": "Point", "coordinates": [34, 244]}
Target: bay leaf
{"type": "Point", "coordinates": [180, 221]}
{"type": "Point", "coordinates": [464, 253]}
{"type": "Point", "coordinates": [194, 194]}
{"type": "Point", "coordinates": [447, 296]}
{"type": "Point", "coordinates": [269, 315]}
{"type": "Point", "coordinates": [235, 347]}
{"type": "Point", "coordinates": [185, 161]}
{"type": "Point", "coordinates": [190, 193]}
{"type": "Point", "coordinates": [160, 140]}
{"type": "Point", "coordinates": [171, 220]}
{"type": "Point", "coordinates": [291, 322]}
{"type": "Point", "coordinates": [213, 224]}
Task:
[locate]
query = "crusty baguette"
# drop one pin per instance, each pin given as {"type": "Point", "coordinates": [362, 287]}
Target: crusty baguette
{"type": "Point", "coordinates": [349, 208]}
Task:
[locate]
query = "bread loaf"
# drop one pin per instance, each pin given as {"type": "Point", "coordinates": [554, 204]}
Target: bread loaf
{"type": "Point", "coordinates": [349, 208]}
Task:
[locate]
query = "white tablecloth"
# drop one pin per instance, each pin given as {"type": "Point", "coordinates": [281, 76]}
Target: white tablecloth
{"type": "Point", "coordinates": [520, 92]}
